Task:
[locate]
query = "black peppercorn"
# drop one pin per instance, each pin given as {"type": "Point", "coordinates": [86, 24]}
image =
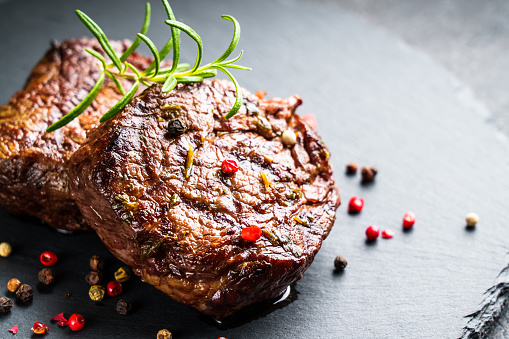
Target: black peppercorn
{"type": "Point", "coordinates": [25, 293]}
{"type": "Point", "coordinates": [94, 278]}
{"type": "Point", "coordinates": [351, 168]}
{"type": "Point", "coordinates": [123, 306]}
{"type": "Point", "coordinates": [97, 263]}
{"type": "Point", "coordinates": [176, 127]}
{"type": "Point", "coordinates": [340, 263]}
{"type": "Point", "coordinates": [5, 304]}
{"type": "Point", "coordinates": [368, 173]}
{"type": "Point", "coordinates": [46, 276]}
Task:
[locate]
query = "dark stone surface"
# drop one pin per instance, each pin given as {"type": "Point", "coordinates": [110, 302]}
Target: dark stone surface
{"type": "Point", "coordinates": [378, 102]}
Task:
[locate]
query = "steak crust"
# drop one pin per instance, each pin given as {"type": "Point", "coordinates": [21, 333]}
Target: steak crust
{"type": "Point", "coordinates": [33, 163]}
{"type": "Point", "coordinates": [179, 227]}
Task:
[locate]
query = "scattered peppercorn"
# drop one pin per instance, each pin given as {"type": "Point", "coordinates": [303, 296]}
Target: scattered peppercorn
{"type": "Point", "coordinates": [94, 278]}
{"type": "Point", "coordinates": [5, 249]}
{"type": "Point", "coordinates": [229, 167]}
{"type": "Point", "coordinates": [289, 138]}
{"type": "Point", "coordinates": [76, 322]}
{"type": "Point", "coordinates": [14, 330]}
{"type": "Point", "coordinates": [96, 292]}
{"type": "Point", "coordinates": [472, 219]}
{"type": "Point", "coordinates": [97, 263]}
{"type": "Point", "coordinates": [176, 127]}
{"type": "Point", "coordinates": [340, 263]}
{"type": "Point", "coordinates": [387, 234]}
{"type": "Point", "coordinates": [13, 285]}
{"type": "Point", "coordinates": [164, 334]}
{"type": "Point", "coordinates": [40, 328]}
{"type": "Point", "coordinates": [67, 295]}
{"type": "Point", "coordinates": [114, 288]}
{"type": "Point", "coordinates": [62, 322]}
{"type": "Point", "coordinates": [372, 232]}
{"type": "Point", "coordinates": [25, 293]}
{"type": "Point", "coordinates": [48, 258]}
{"type": "Point", "coordinates": [355, 204]}
{"type": "Point", "coordinates": [409, 220]}
{"type": "Point", "coordinates": [252, 233]}
{"type": "Point", "coordinates": [123, 274]}
{"type": "Point", "coordinates": [5, 304]}
{"type": "Point", "coordinates": [46, 276]}
{"type": "Point", "coordinates": [351, 168]}
{"type": "Point", "coordinates": [123, 306]}
{"type": "Point", "coordinates": [368, 173]}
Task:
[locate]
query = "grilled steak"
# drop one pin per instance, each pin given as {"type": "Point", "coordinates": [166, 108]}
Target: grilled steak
{"type": "Point", "coordinates": [33, 164]}
{"type": "Point", "coordinates": [161, 203]}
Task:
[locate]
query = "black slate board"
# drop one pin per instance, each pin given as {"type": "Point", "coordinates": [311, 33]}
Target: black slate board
{"type": "Point", "coordinates": [377, 102]}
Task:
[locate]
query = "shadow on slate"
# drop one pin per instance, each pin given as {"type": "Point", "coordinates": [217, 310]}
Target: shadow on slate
{"type": "Point", "coordinates": [378, 102]}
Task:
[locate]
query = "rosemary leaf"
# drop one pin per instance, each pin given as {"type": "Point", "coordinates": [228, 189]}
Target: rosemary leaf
{"type": "Point", "coordinates": [137, 41]}
{"type": "Point", "coordinates": [97, 55]}
{"type": "Point", "coordinates": [101, 37]}
{"type": "Point", "coordinates": [237, 67]}
{"type": "Point", "coordinates": [162, 54]}
{"type": "Point", "coordinates": [122, 103]}
{"type": "Point", "coordinates": [116, 82]}
{"type": "Point", "coordinates": [189, 79]}
{"type": "Point", "coordinates": [175, 36]}
{"type": "Point", "coordinates": [194, 36]}
{"type": "Point", "coordinates": [209, 73]}
{"type": "Point", "coordinates": [231, 61]}
{"type": "Point", "coordinates": [235, 39]}
{"type": "Point", "coordinates": [153, 49]}
{"type": "Point", "coordinates": [169, 84]}
{"type": "Point", "coordinates": [76, 111]}
{"type": "Point", "coordinates": [238, 100]}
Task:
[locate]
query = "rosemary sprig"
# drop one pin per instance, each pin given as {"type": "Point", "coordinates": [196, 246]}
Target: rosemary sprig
{"type": "Point", "coordinates": [119, 68]}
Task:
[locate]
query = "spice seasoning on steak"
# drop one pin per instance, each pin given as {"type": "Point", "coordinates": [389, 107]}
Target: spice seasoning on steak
{"type": "Point", "coordinates": [33, 163]}
{"type": "Point", "coordinates": [193, 250]}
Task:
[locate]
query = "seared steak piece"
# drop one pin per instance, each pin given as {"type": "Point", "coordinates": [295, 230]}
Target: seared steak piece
{"type": "Point", "coordinates": [33, 163]}
{"type": "Point", "coordinates": [161, 203]}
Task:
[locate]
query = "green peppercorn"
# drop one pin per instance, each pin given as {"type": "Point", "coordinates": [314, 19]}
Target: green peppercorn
{"type": "Point", "coordinates": [96, 292]}
{"type": "Point", "coordinates": [5, 249]}
{"type": "Point", "coordinates": [123, 274]}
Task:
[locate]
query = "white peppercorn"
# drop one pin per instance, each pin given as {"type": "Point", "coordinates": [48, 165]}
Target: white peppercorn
{"type": "Point", "coordinates": [289, 138]}
{"type": "Point", "coordinates": [5, 249]}
{"type": "Point", "coordinates": [472, 219]}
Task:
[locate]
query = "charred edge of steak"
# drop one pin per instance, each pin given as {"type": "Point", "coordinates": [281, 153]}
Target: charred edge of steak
{"type": "Point", "coordinates": [180, 228]}
{"type": "Point", "coordinates": [33, 163]}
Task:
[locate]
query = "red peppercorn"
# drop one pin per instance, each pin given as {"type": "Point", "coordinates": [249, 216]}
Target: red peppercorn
{"type": "Point", "coordinates": [409, 220]}
{"type": "Point", "coordinates": [114, 288]}
{"type": "Point", "coordinates": [356, 204]}
{"type": "Point", "coordinates": [372, 232]}
{"type": "Point", "coordinates": [39, 328]}
{"type": "Point", "coordinates": [229, 167]}
{"type": "Point", "coordinates": [221, 338]}
{"type": "Point", "coordinates": [387, 234]}
{"type": "Point", "coordinates": [48, 258]}
{"type": "Point", "coordinates": [76, 322]}
{"type": "Point", "coordinates": [252, 233]}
